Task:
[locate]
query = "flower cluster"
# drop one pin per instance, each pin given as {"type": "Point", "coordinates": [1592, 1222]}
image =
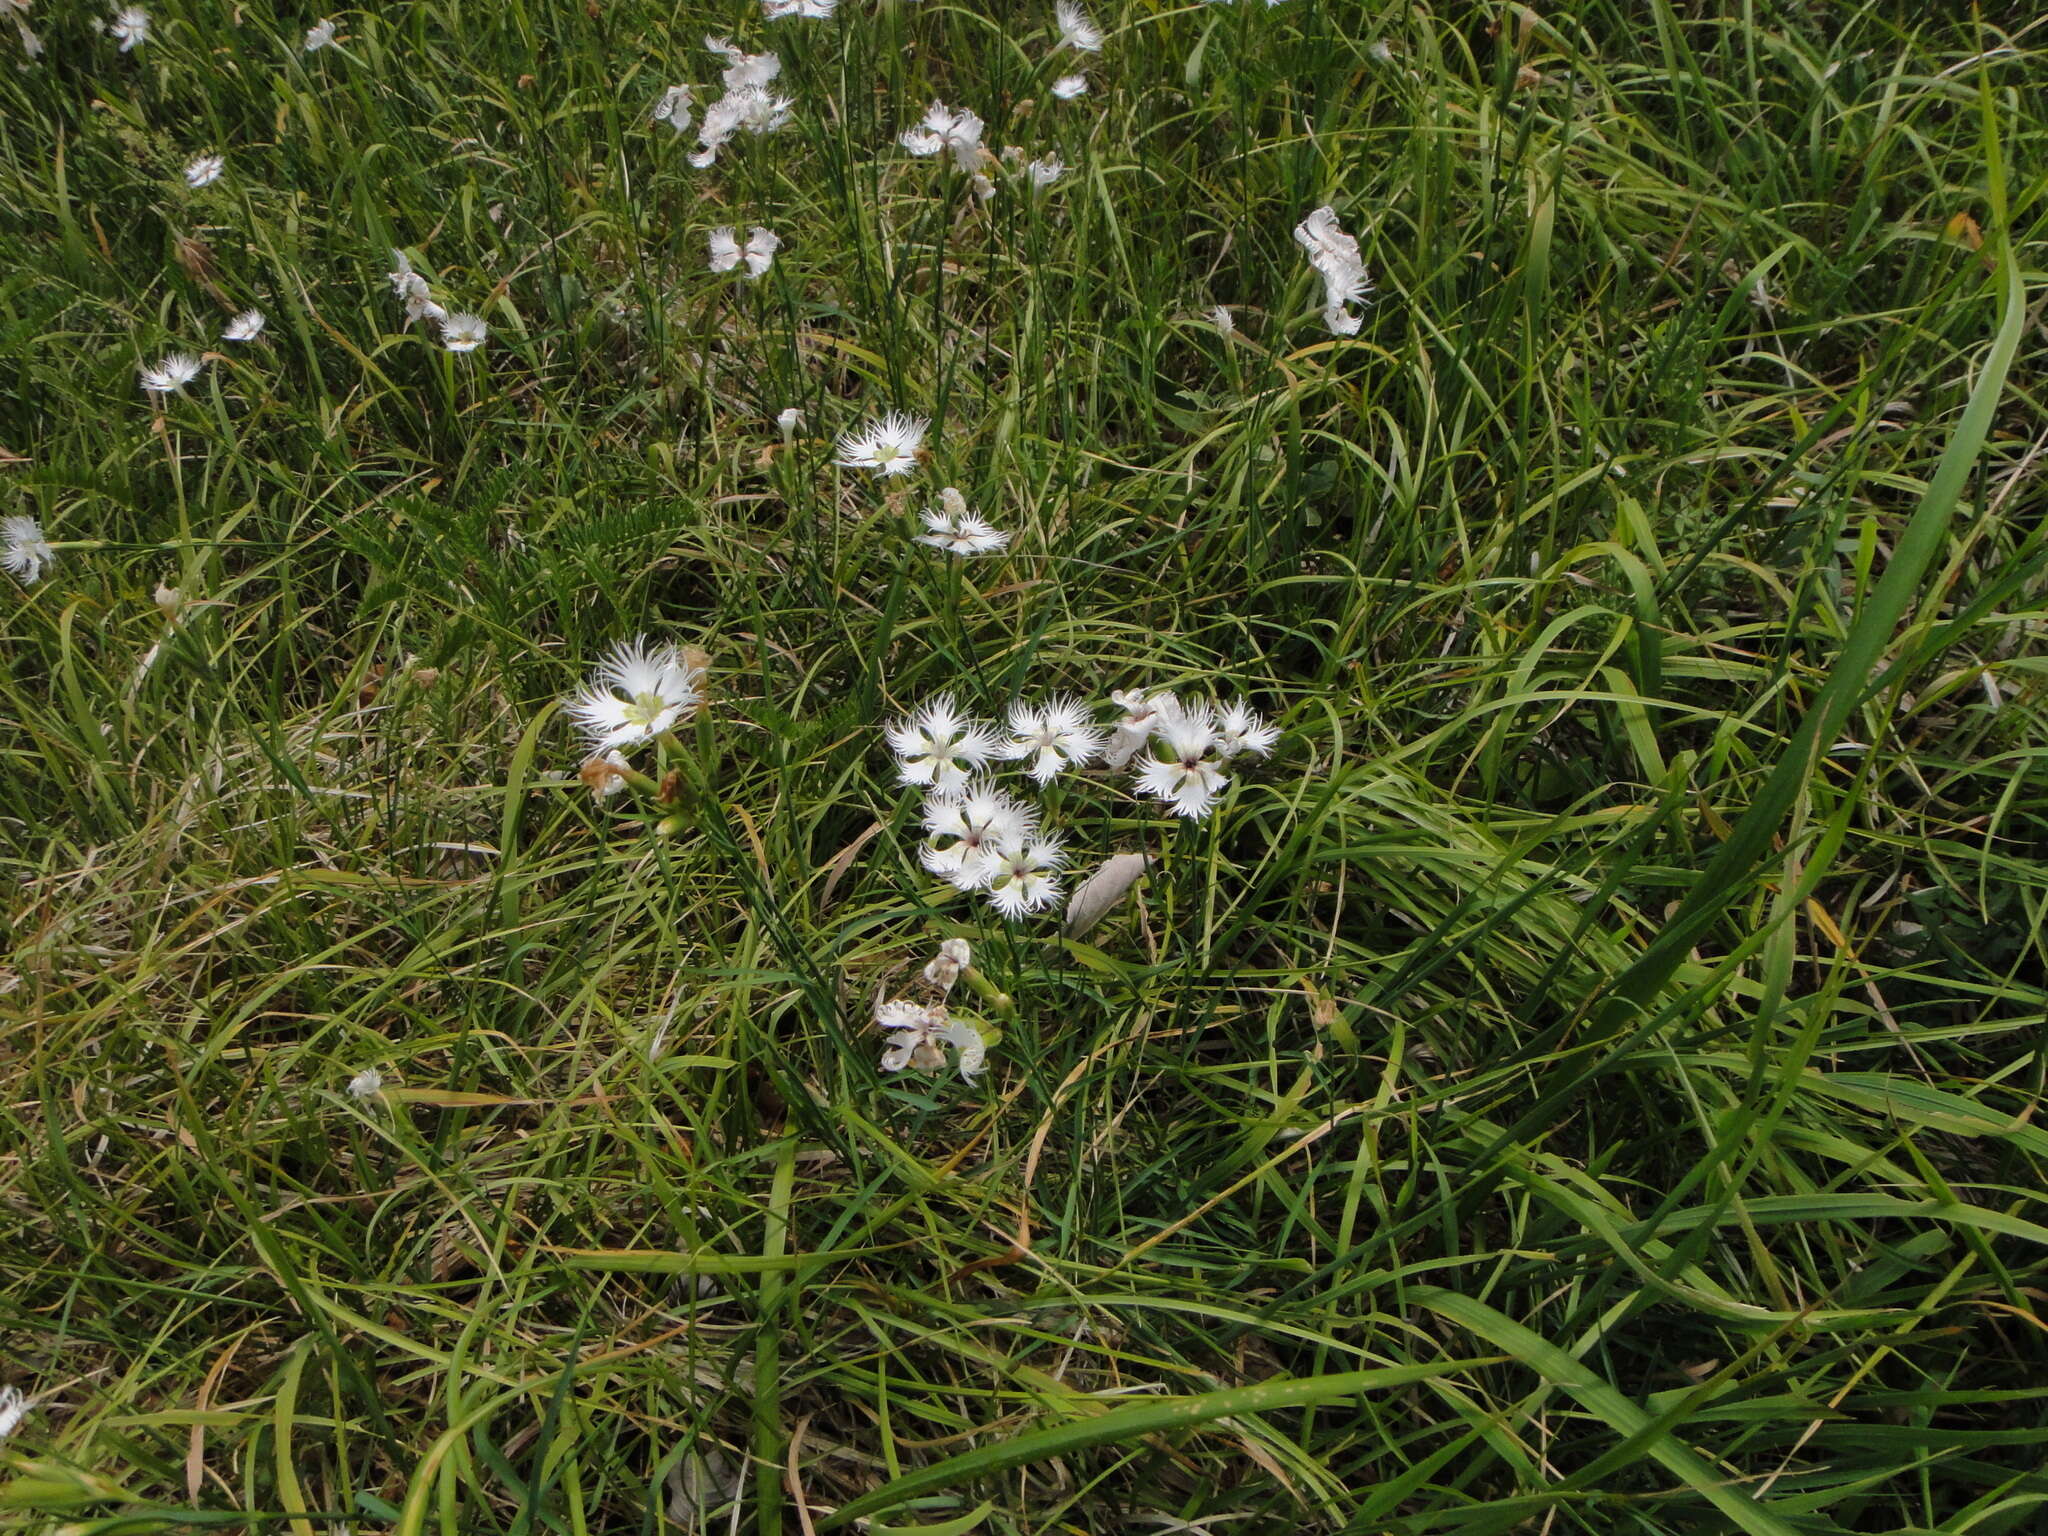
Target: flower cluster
{"type": "Point", "coordinates": [957, 530]}
{"type": "Point", "coordinates": [920, 1033]}
{"type": "Point", "coordinates": [979, 838]}
{"type": "Point", "coordinates": [747, 103]}
{"type": "Point", "coordinates": [460, 332]}
{"type": "Point", "coordinates": [1335, 257]}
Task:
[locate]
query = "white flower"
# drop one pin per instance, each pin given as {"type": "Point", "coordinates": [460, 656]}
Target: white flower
{"type": "Point", "coordinates": [366, 1084]}
{"type": "Point", "coordinates": [944, 129]}
{"type": "Point", "coordinates": [320, 35]}
{"type": "Point", "coordinates": [31, 45]}
{"type": "Point", "coordinates": [958, 531]}
{"type": "Point", "coordinates": [419, 301]}
{"type": "Point", "coordinates": [246, 326]}
{"type": "Point", "coordinates": [674, 108]}
{"type": "Point", "coordinates": [1077, 27]}
{"type": "Point", "coordinates": [725, 250]}
{"type": "Point", "coordinates": [463, 333]}
{"type": "Point", "coordinates": [172, 372]}
{"type": "Point", "coordinates": [1239, 729]}
{"type": "Point", "coordinates": [809, 10]}
{"type": "Point", "coordinates": [888, 447]}
{"type": "Point", "coordinates": [27, 554]}
{"type": "Point", "coordinates": [940, 747]}
{"type": "Point", "coordinates": [944, 968]}
{"type": "Point", "coordinates": [13, 1409]}
{"type": "Point", "coordinates": [1067, 87]}
{"type": "Point", "coordinates": [1142, 712]}
{"type": "Point", "coordinates": [744, 71]}
{"type": "Point", "coordinates": [1020, 877]}
{"type": "Point", "coordinates": [1052, 737]}
{"type": "Point", "coordinates": [762, 245]}
{"type": "Point", "coordinates": [1220, 318]}
{"type": "Point", "coordinates": [131, 26]}
{"type": "Point", "coordinates": [984, 189]}
{"type": "Point", "coordinates": [640, 690]}
{"type": "Point", "coordinates": [1380, 51]}
{"type": "Point", "coordinates": [204, 171]}
{"type": "Point", "coordinates": [1188, 780]}
{"type": "Point", "coordinates": [401, 273]}
{"type": "Point", "coordinates": [1334, 254]}
{"type": "Point", "coordinates": [969, 829]}
{"type": "Point", "coordinates": [749, 107]}
{"type": "Point", "coordinates": [918, 1036]}
{"type": "Point", "coordinates": [1045, 170]}
{"type": "Point", "coordinates": [788, 420]}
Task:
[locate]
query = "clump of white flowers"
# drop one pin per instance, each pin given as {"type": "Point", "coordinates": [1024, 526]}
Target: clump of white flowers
{"type": "Point", "coordinates": [943, 129]}
{"type": "Point", "coordinates": [747, 103]}
{"type": "Point", "coordinates": [956, 530]}
{"type": "Point", "coordinates": [1335, 257]}
{"type": "Point", "coordinates": [24, 553]}
{"type": "Point", "coordinates": [979, 838]}
{"type": "Point", "coordinates": [411, 289]}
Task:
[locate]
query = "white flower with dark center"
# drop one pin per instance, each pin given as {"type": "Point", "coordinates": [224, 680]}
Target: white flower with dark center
{"type": "Point", "coordinates": [1067, 87]}
{"type": "Point", "coordinates": [958, 531]}
{"type": "Point", "coordinates": [1335, 256]}
{"type": "Point", "coordinates": [246, 326]}
{"type": "Point", "coordinates": [1077, 27]}
{"type": "Point", "coordinates": [674, 108]}
{"type": "Point", "coordinates": [1045, 170]}
{"type": "Point", "coordinates": [24, 553]}
{"type": "Point", "coordinates": [1240, 729]}
{"type": "Point", "coordinates": [1188, 778]}
{"type": "Point", "coordinates": [939, 747]}
{"type": "Point", "coordinates": [131, 26]}
{"type": "Point", "coordinates": [366, 1084]}
{"type": "Point", "coordinates": [944, 129]}
{"type": "Point", "coordinates": [888, 447]}
{"type": "Point", "coordinates": [725, 249]}
{"type": "Point", "coordinates": [1021, 878]}
{"type": "Point", "coordinates": [463, 332]}
{"type": "Point", "coordinates": [809, 10]}
{"type": "Point", "coordinates": [640, 691]}
{"type": "Point", "coordinates": [1052, 737]}
{"type": "Point", "coordinates": [319, 35]}
{"type": "Point", "coordinates": [204, 171]}
{"type": "Point", "coordinates": [13, 1409]}
{"type": "Point", "coordinates": [172, 373]}
{"type": "Point", "coordinates": [762, 244]}
{"type": "Point", "coordinates": [968, 828]}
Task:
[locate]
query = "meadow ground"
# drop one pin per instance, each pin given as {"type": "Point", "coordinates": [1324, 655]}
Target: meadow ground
{"type": "Point", "coordinates": [1583, 1079]}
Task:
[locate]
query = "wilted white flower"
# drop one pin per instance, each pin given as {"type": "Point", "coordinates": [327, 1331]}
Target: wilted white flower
{"type": "Point", "coordinates": [1067, 87]}
{"type": "Point", "coordinates": [944, 129]}
{"type": "Point", "coordinates": [13, 1409]}
{"type": "Point", "coordinates": [131, 26]}
{"type": "Point", "coordinates": [958, 531]}
{"type": "Point", "coordinates": [919, 1034]}
{"type": "Point", "coordinates": [968, 828]}
{"type": "Point", "coordinates": [1077, 27]}
{"type": "Point", "coordinates": [320, 35]}
{"type": "Point", "coordinates": [605, 774]}
{"type": "Point", "coordinates": [172, 372]}
{"type": "Point", "coordinates": [1052, 737]}
{"type": "Point", "coordinates": [463, 332]}
{"type": "Point", "coordinates": [1188, 779]}
{"type": "Point", "coordinates": [984, 189]}
{"type": "Point", "coordinates": [640, 690]}
{"type": "Point", "coordinates": [246, 326]}
{"type": "Point", "coordinates": [1142, 715]}
{"type": "Point", "coordinates": [1240, 729]}
{"type": "Point", "coordinates": [24, 553]}
{"type": "Point", "coordinates": [170, 602]}
{"type": "Point", "coordinates": [944, 968]}
{"type": "Point", "coordinates": [938, 746]}
{"type": "Point", "coordinates": [762, 245]}
{"type": "Point", "coordinates": [1045, 170]}
{"type": "Point", "coordinates": [809, 10]}
{"type": "Point", "coordinates": [725, 249]}
{"type": "Point", "coordinates": [788, 420]}
{"type": "Point", "coordinates": [888, 447]}
{"type": "Point", "coordinates": [366, 1084]}
{"type": "Point", "coordinates": [1335, 255]}
{"type": "Point", "coordinates": [1220, 318]}
{"type": "Point", "coordinates": [204, 171]}
{"type": "Point", "coordinates": [419, 301]}
{"type": "Point", "coordinates": [1021, 878]}
{"type": "Point", "coordinates": [674, 108]}
{"type": "Point", "coordinates": [744, 70]}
